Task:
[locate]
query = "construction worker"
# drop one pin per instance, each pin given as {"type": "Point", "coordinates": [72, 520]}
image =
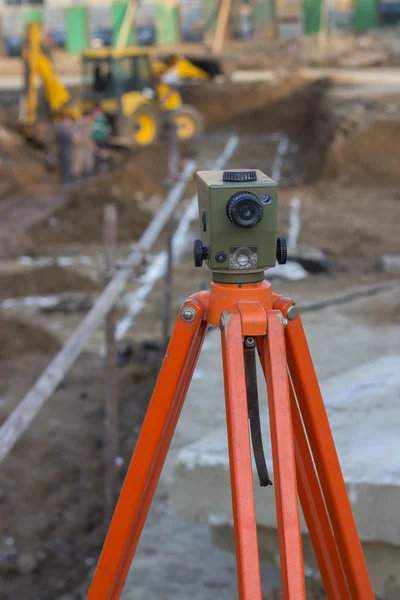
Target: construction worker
{"type": "Point", "coordinates": [65, 137]}
{"type": "Point", "coordinates": [101, 129]}
{"type": "Point", "coordinates": [100, 132]}
{"type": "Point", "coordinates": [83, 147]}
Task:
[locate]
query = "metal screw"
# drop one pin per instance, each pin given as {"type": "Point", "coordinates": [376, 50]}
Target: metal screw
{"type": "Point", "coordinates": [188, 314]}
{"type": "Point", "coordinates": [249, 342]}
{"type": "Point", "coordinates": [221, 257]}
{"type": "Point", "coordinates": [292, 313]}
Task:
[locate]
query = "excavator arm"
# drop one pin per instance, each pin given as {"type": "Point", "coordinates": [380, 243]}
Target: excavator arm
{"type": "Point", "coordinates": [38, 67]}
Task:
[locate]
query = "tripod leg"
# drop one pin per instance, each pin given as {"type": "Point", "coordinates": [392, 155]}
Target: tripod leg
{"type": "Point", "coordinates": [149, 456]}
{"type": "Point", "coordinates": [275, 368]}
{"type": "Point", "coordinates": [314, 509]}
{"type": "Point", "coordinates": [315, 513]}
{"type": "Point", "coordinates": [327, 463]}
{"type": "Point", "coordinates": [244, 516]}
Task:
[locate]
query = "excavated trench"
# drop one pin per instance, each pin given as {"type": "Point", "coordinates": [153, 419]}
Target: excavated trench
{"type": "Point", "coordinates": [51, 490]}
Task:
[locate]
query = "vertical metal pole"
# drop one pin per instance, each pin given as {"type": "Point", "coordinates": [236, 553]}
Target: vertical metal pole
{"type": "Point", "coordinates": [324, 26]}
{"type": "Point", "coordinates": [179, 22]}
{"type": "Point", "coordinates": [173, 165]}
{"type": "Point", "coordinates": [2, 40]}
{"type": "Point", "coordinates": [111, 383]}
{"type": "Point", "coordinates": [221, 27]}
{"type": "Point", "coordinates": [274, 20]}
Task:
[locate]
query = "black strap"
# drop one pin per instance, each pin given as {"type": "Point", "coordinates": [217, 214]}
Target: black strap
{"type": "Point", "coordinates": [254, 411]}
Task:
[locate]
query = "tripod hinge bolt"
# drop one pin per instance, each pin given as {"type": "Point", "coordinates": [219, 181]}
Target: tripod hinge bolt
{"type": "Point", "coordinates": [250, 342]}
{"type": "Point", "coordinates": [292, 313]}
{"type": "Point", "coordinates": [188, 314]}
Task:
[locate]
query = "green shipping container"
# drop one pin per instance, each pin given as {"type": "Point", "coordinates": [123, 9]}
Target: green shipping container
{"type": "Point", "coordinates": [210, 12]}
{"type": "Point", "coordinates": [118, 10]}
{"type": "Point", "coordinates": [167, 21]}
{"type": "Point", "coordinates": [32, 15]}
{"type": "Point", "coordinates": [366, 14]}
{"type": "Point", "coordinates": [312, 16]}
{"type": "Point", "coordinates": [262, 12]}
{"type": "Point", "coordinates": [77, 30]}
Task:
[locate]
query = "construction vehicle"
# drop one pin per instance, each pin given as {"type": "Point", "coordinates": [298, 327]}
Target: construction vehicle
{"type": "Point", "coordinates": [122, 83]}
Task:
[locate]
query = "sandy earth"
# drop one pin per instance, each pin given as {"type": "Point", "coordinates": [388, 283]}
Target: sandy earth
{"type": "Point", "coordinates": [58, 462]}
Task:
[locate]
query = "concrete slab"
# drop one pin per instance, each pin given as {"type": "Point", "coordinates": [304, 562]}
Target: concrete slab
{"type": "Point", "coordinates": [363, 406]}
{"type": "Point", "coordinates": [333, 349]}
{"type": "Point", "coordinates": [364, 410]}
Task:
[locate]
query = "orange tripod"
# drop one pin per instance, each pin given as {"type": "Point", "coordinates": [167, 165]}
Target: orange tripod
{"type": "Point", "coordinates": [304, 456]}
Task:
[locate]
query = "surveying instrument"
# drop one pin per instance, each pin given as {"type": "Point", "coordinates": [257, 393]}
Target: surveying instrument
{"type": "Point", "coordinates": [238, 212]}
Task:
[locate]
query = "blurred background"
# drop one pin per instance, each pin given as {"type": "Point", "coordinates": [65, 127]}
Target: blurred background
{"type": "Point", "coordinates": [106, 110]}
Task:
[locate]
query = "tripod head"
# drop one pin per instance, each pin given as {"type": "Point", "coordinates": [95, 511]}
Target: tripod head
{"type": "Point", "coordinates": [238, 212]}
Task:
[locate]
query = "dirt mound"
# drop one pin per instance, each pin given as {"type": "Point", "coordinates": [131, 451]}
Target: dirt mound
{"type": "Point", "coordinates": [263, 51]}
{"type": "Point", "coordinates": [18, 337]}
{"type": "Point", "coordinates": [81, 219]}
{"type": "Point", "coordinates": [340, 50]}
{"type": "Point", "coordinates": [20, 167]}
{"type": "Point", "coordinates": [359, 151]}
{"type": "Point", "coordinates": [43, 281]}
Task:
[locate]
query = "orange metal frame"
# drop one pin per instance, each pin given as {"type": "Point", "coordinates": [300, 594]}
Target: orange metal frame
{"type": "Point", "coordinates": [305, 462]}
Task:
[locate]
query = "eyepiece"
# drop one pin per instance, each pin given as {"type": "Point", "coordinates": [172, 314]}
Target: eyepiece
{"type": "Point", "coordinates": [244, 209]}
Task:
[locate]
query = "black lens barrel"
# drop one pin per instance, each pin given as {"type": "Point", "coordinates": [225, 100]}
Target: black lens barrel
{"type": "Point", "coordinates": [244, 209]}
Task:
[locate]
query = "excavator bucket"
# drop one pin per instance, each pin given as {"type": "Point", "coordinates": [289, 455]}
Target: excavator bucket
{"type": "Point", "coordinates": [190, 68]}
{"type": "Point", "coordinates": [209, 64]}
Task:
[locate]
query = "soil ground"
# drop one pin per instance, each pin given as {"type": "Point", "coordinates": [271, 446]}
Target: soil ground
{"type": "Point", "coordinates": [51, 490]}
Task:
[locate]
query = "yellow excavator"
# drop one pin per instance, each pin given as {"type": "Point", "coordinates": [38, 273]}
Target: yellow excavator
{"type": "Point", "coordinates": [123, 83]}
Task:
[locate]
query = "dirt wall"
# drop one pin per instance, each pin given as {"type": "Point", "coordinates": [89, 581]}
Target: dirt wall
{"type": "Point", "coordinates": [365, 148]}
{"type": "Point", "coordinates": [81, 219]}
{"type": "Point", "coordinates": [20, 166]}
{"type": "Point", "coordinates": [219, 104]}
{"type": "Point", "coordinates": [304, 116]}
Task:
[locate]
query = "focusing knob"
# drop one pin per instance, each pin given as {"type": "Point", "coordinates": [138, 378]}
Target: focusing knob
{"type": "Point", "coordinates": [200, 253]}
{"type": "Point", "coordinates": [239, 176]}
{"type": "Point", "coordinates": [281, 251]}
{"type": "Point", "coordinates": [244, 209]}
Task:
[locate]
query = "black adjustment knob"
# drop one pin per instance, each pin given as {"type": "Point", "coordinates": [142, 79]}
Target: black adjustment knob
{"type": "Point", "coordinates": [281, 251]}
{"type": "Point", "coordinates": [200, 253]}
{"type": "Point", "coordinates": [239, 176]}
